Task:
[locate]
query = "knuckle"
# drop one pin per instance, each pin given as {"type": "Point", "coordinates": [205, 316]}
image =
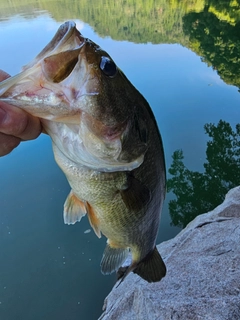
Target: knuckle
{"type": "Point", "coordinates": [19, 125]}
{"type": "Point", "coordinates": [7, 144]}
{"type": "Point", "coordinates": [15, 122]}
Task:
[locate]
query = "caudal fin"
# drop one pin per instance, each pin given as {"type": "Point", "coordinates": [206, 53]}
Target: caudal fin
{"type": "Point", "coordinates": [151, 268]}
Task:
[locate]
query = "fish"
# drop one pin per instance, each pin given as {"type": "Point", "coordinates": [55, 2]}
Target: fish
{"type": "Point", "coordinates": [106, 140]}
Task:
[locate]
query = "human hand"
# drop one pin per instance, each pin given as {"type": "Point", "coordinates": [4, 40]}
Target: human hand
{"type": "Point", "coordinates": [16, 125]}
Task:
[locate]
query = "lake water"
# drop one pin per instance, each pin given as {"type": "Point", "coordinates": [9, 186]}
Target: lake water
{"type": "Point", "coordinates": [184, 59]}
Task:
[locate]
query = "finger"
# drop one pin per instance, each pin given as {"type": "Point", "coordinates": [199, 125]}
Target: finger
{"type": "Point", "coordinates": [8, 143]}
{"type": "Point", "coordinates": [18, 123]}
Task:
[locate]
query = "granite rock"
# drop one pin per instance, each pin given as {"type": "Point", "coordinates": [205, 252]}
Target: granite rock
{"type": "Point", "coordinates": [203, 277]}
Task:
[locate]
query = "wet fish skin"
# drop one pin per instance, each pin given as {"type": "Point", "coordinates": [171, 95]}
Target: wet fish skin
{"type": "Point", "coordinates": [105, 140]}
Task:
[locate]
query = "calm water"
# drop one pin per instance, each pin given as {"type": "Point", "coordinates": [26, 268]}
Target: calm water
{"type": "Point", "coordinates": [184, 60]}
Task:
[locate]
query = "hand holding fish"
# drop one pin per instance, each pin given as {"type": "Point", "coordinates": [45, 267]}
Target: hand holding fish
{"type": "Point", "coordinates": [16, 125]}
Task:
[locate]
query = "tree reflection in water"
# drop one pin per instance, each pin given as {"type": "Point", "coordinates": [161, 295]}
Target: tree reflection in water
{"type": "Point", "coordinates": [217, 41]}
{"type": "Point", "coordinates": [201, 192]}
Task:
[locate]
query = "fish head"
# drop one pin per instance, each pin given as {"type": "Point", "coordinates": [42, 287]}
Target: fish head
{"type": "Point", "coordinates": [92, 112]}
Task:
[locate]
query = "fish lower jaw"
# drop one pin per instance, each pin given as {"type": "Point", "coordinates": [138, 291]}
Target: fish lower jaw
{"type": "Point", "coordinates": [76, 155]}
{"type": "Point", "coordinates": [68, 144]}
{"type": "Point", "coordinates": [50, 99]}
{"type": "Point", "coordinates": [100, 155]}
{"type": "Point", "coordinates": [46, 107]}
{"type": "Point", "coordinates": [105, 164]}
{"type": "Point", "coordinates": [102, 165]}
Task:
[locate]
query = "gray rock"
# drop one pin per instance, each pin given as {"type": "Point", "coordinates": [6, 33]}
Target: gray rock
{"type": "Point", "coordinates": [203, 277]}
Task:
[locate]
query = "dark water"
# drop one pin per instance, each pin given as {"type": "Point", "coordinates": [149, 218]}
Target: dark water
{"type": "Point", "coordinates": [184, 59]}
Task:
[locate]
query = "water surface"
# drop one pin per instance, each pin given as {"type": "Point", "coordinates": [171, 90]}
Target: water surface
{"type": "Point", "coordinates": [171, 54]}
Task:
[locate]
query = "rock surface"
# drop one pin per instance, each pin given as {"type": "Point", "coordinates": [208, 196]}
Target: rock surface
{"type": "Point", "coordinates": [203, 277]}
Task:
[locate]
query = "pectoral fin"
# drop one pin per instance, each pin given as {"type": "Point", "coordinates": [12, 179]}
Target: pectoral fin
{"type": "Point", "coordinates": [136, 195]}
{"type": "Point", "coordinates": [74, 209]}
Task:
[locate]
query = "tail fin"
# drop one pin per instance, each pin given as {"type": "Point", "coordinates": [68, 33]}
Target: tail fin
{"type": "Point", "coordinates": [151, 268]}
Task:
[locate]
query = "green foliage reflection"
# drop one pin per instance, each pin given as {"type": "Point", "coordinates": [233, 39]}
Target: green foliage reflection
{"type": "Point", "coordinates": [218, 42]}
{"type": "Point", "coordinates": [139, 21]}
{"type": "Point", "coordinates": [196, 192]}
{"type": "Point", "coordinates": [211, 28]}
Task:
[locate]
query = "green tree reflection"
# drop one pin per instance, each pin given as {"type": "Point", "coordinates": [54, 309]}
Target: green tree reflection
{"type": "Point", "coordinates": [196, 192]}
{"type": "Point", "coordinates": [208, 27]}
{"type": "Point", "coordinates": [226, 7]}
{"type": "Point", "coordinates": [217, 41]}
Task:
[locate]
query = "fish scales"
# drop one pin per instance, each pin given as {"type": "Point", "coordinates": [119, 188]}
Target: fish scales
{"type": "Point", "coordinates": [106, 141]}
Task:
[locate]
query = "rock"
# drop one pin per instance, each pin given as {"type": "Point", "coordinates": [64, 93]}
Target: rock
{"type": "Point", "coordinates": [203, 277]}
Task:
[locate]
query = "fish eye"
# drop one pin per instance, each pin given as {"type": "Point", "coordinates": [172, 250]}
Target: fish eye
{"type": "Point", "coordinates": [108, 67]}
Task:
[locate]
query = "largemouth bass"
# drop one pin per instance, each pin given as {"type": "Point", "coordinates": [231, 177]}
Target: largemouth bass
{"type": "Point", "coordinates": [106, 141]}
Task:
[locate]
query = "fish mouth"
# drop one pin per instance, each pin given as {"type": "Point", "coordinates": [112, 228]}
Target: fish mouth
{"type": "Point", "coordinates": [45, 87]}
{"type": "Point", "coordinates": [64, 46]}
{"type": "Point", "coordinates": [66, 38]}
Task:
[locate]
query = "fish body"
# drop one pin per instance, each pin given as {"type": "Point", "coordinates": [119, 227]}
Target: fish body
{"type": "Point", "coordinates": [106, 141]}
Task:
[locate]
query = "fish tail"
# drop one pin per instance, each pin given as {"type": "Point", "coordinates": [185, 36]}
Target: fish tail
{"type": "Point", "coordinates": [151, 268]}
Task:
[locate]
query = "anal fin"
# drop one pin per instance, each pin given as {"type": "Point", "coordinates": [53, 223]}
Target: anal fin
{"type": "Point", "coordinates": [113, 258]}
{"type": "Point", "coordinates": [74, 209]}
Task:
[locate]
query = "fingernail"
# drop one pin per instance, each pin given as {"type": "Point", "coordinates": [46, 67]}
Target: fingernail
{"type": "Point", "coordinates": [3, 114]}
